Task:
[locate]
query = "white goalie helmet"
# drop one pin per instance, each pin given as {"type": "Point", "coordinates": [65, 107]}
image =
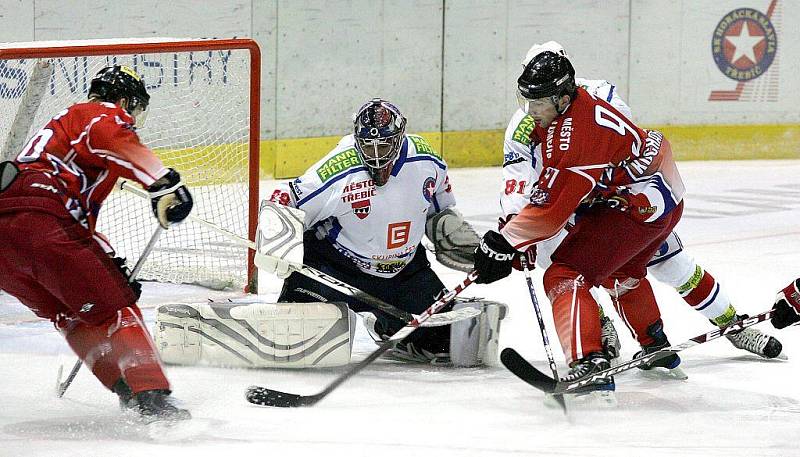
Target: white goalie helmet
{"type": "Point", "coordinates": [537, 49]}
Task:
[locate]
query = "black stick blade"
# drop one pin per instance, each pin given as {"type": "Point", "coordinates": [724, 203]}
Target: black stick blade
{"type": "Point", "coordinates": [525, 371]}
{"type": "Point", "coordinates": [268, 397]}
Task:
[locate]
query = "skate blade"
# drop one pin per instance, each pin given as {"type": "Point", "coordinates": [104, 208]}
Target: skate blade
{"type": "Point", "coordinates": [665, 373]}
{"type": "Point", "coordinates": [599, 399]}
{"type": "Point", "coordinates": [166, 431]}
{"type": "Point", "coordinates": [781, 356]}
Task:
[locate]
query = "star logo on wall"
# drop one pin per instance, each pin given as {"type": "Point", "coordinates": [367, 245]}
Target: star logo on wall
{"type": "Point", "coordinates": [744, 44]}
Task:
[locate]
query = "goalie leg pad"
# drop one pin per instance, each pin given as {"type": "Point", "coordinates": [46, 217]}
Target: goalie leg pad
{"type": "Point", "coordinates": [282, 335]}
{"type": "Point", "coordinates": [474, 342]}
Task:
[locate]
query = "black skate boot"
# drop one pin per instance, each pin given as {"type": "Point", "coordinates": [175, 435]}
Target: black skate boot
{"type": "Point", "coordinates": [599, 393]}
{"type": "Point", "coordinates": [588, 366]}
{"type": "Point", "coordinates": [156, 405]}
{"type": "Point", "coordinates": [124, 393]}
{"type": "Point", "coordinates": [666, 365]}
{"type": "Point", "coordinates": [751, 339]}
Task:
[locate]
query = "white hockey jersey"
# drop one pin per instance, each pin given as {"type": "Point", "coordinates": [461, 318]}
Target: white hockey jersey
{"type": "Point", "coordinates": [378, 228]}
{"type": "Point", "coordinates": [521, 169]}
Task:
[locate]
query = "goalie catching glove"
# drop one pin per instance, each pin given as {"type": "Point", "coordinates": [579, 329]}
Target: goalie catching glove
{"type": "Point", "coordinates": [453, 238]}
{"type": "Point", "coordinates": [171, 200]}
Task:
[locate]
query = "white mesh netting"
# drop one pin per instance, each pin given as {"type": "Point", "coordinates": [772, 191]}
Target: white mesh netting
{"type": "Point", "coordinates": [198, 123]}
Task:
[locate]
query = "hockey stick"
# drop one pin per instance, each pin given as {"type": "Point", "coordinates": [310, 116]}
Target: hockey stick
{"type": "Point", "coordinates": [62, 387]}
{"type": "Point", "coordinates": [269, 397]}
{"type": "Point", "coordinates": [545, 340]}
{"type": "Point", "coordinates": [328, 280]}
{"type": "Point", "coordinates": [528, 373]}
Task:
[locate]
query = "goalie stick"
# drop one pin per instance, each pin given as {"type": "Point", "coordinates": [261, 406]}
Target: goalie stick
{"type": "Point", "coordinates": [269, 397]}
{"type": "Point", "coordinates": [61, 387]}
{"type": "Point", "coordinates": [515, 363]}
{"type": "Point", "coordinates": [351, 291]}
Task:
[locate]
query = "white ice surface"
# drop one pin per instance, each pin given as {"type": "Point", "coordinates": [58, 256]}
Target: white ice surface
{"type": "Point", "coordinates": [741, 223]}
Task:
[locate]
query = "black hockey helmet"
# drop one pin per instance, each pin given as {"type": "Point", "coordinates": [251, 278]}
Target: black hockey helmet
{"type": "Point", "coordinates": [378, 128]}
{"type": "Point", "coordinates": [113, 83]}
{"type": "Point", "coordinates": [548, 74]}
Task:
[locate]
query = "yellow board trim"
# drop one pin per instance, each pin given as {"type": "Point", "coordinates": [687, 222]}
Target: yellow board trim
{"type": "Point", "coordinates": [291, 157]}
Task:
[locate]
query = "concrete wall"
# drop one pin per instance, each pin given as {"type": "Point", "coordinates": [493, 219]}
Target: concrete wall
{"type": "Point", "coordinates": [451, 65]}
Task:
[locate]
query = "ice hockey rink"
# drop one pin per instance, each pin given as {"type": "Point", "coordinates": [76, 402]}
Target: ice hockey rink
{"type": "Point", "coordinates": [740, 222]}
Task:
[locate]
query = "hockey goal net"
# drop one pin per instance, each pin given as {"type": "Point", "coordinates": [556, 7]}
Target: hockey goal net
{"type": "Point", "coordinates": [203, 120]}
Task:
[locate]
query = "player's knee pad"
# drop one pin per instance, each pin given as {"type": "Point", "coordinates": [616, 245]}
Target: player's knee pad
{"type": "Point", "coordinates": [475, 342]}
{"type": "Point", "coordinates": [282, 335]}
{"type": "Point", "coordinates": [671, 264]}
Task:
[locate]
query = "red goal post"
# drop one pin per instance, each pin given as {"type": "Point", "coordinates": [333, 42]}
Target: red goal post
{"type": "Point", "coordinates": [203, 120]}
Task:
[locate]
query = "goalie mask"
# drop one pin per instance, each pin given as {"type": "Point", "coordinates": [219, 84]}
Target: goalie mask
{"type": "Point", "coordinates": [379, 130]}
{"type": "Point", "coordinates": [114, 83]}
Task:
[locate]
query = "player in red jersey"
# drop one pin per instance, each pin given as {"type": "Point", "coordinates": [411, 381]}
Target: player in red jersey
{"type": "Point", "coordinates": [623, 187]}
{"type": "Point", "coordinates": [54, 261]}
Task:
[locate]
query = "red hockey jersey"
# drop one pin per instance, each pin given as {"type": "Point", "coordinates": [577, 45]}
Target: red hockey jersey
{"type": "Point", "coordinates": [85, 148]}
{"type": "Point", "coordinates": [591, 152]}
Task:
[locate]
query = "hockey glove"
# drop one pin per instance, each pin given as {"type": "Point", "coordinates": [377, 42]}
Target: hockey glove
{"type": "Point", "coordinates": [136, 286]}
{"type": "Point", "coordinates": [493, 258]}
{"type": "Point", "coordinates": [171, 200]}
{"type": "Point", "coordinates": [787, 306]}
{"type": "Point", "coordinates": [530, 254]}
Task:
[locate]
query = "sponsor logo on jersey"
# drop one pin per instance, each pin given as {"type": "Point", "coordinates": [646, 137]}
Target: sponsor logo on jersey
{"type": "Point", "coordinates": [397, 234]}
{"type": "Point", "coordinates": [390, 267]}
{"type": "Point", "coordinates": [428, 188]}
{"type": "Point", "coordinates": [423, 147]}
{"type": "Point", "coordinates": [539, 197]}
{"type": "Point", "coordinates": [358, 190]}
{"type": "Point", "coordinates": [361, 208]}
{"type": "Point", "coordinates": [338, 163]}
{"type": "Point", "coordinates": [522, 134]}
{"type": "Point", "coordinates": [294, 186]}
{"type": "Point", "coordinates": [405, 252]}
{"type": "Point", "coordinates": [87, 307]}
{"type": "Point", "coordinates": [744, 44]}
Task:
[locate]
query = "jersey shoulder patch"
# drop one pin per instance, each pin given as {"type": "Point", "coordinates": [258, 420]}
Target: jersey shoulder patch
{"type": "Point", "coordinates": [338, 163]}
{"type": "Point", "coordinates": [423, 147]}
{"type": "Point", "coordinates": [522, 134]}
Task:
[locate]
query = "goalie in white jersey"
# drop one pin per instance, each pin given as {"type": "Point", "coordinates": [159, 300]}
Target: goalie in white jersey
{"type": "Point", "coordinates": [671, 265]}
{"type": "Point", "coordinates": [367, 205]}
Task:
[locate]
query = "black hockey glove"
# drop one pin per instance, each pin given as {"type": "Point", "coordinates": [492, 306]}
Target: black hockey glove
{"type": "Point", "coordinates": [171, 200]}
{"type": "Point", "coordinates": [787, 306]}
{"type": "Point", "coordinates": [493, 258]}
{"type": "Point", "coordinates": [136, 286]}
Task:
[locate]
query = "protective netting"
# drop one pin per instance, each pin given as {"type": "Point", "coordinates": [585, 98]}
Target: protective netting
{"type": "Point", "coordinates": [198, 123]}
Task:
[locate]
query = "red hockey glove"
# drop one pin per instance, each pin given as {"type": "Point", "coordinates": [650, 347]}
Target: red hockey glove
{"type": "Point", "coordinates": [787, 306]}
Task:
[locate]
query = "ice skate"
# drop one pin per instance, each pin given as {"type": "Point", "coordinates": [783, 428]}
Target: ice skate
{"type": "Point", "coordinates": [598, 394]}
{"type": "Point", "coordinates": [758, 343]}
{"type": "Point", "coordinates": [609, 338]}
{"type": "Point", "coordinates": [667, 367]}
{"type": "Point", "coordinates": [156, 406]}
